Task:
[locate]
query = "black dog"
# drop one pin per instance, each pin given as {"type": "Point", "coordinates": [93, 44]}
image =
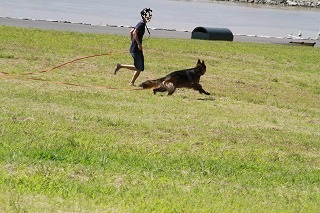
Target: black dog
{"type": "Point", "coordinates": [188, 78]}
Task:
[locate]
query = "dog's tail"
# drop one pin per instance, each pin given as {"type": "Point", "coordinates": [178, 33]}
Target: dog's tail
{"type": "Point", "coordinates": [148, 84]}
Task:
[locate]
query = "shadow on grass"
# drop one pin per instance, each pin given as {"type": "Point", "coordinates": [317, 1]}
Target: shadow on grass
{"type": "Point", "coordinates": [206, 99]}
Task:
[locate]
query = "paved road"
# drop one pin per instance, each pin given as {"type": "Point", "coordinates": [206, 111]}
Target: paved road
{"type": "Point", "coordinates": [124, 30]}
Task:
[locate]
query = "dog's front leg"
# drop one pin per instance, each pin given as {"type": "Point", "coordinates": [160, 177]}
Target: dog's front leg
{"type": "Point", "coordinates": [203, 91]}
{"type": "Point", "coordinates": [200, 89]}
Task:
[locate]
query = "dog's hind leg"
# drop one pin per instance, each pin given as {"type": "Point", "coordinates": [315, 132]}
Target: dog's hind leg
{"type": "Point", "coordinates": [169, 87]}
{"type": "Point", "coordinates": [159, 89]}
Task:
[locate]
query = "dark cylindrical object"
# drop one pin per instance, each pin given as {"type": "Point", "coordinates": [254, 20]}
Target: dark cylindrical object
{"type": "Point", "coordinates": [210, 33]}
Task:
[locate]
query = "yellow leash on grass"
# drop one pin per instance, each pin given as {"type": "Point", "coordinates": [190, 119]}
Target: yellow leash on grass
{"type": "Point", "coordinates": [8, 76]}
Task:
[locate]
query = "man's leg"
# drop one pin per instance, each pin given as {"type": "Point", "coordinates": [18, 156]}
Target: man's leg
{"type": "Point", "coordinates": [134, 77]}
{"type": "Point", "coordinates": [120, 66]}
{"type": "Point", "coordinates": [137, 67]}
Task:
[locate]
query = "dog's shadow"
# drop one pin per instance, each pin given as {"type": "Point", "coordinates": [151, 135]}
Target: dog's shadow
{"type": "Point", "coordinates": [206, 99]}
{"type": "Point", "coordinates": [187, 97]}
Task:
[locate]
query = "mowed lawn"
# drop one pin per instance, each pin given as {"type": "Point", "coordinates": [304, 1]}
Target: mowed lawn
{"type": "Point", "coordinates": [79, 139]}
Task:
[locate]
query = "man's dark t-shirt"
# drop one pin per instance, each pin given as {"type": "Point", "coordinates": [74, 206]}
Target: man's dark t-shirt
{"type": "Point", "coordinates": [140, 27]}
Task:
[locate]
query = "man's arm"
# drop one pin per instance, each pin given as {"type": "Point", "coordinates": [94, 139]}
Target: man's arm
{"type": "Point", "coordinates": [131, 33]}
{"type": "Point", "coordinates": [135, 36]}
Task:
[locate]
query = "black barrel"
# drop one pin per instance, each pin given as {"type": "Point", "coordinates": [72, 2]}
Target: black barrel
{"type": "Point", "coordinates": [211, 33]}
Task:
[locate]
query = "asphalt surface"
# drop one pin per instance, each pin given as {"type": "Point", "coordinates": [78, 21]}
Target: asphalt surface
{"type": "Point", "coordinates": [124, 30]}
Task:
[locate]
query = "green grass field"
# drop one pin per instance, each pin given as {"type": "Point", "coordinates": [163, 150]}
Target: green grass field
{"type": "Point", "coordinates": [252, 146]}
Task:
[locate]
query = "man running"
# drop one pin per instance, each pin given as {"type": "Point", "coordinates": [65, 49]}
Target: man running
{"type": "Point", "coordinates": [136, 49]}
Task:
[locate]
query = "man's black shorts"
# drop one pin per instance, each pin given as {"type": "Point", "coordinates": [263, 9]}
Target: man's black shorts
{"type": "Point", "coordinates": [138, 60]}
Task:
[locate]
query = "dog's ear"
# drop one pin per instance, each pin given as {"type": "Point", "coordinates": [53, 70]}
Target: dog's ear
{"type": "Point", "coordinates": [199, 62]}
{"type": "Point", "coordinates": [203, 62]}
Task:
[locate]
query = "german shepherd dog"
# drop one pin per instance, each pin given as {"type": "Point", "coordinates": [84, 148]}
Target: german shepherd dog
{"type": "Point", "coordinates": [188, 78]}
